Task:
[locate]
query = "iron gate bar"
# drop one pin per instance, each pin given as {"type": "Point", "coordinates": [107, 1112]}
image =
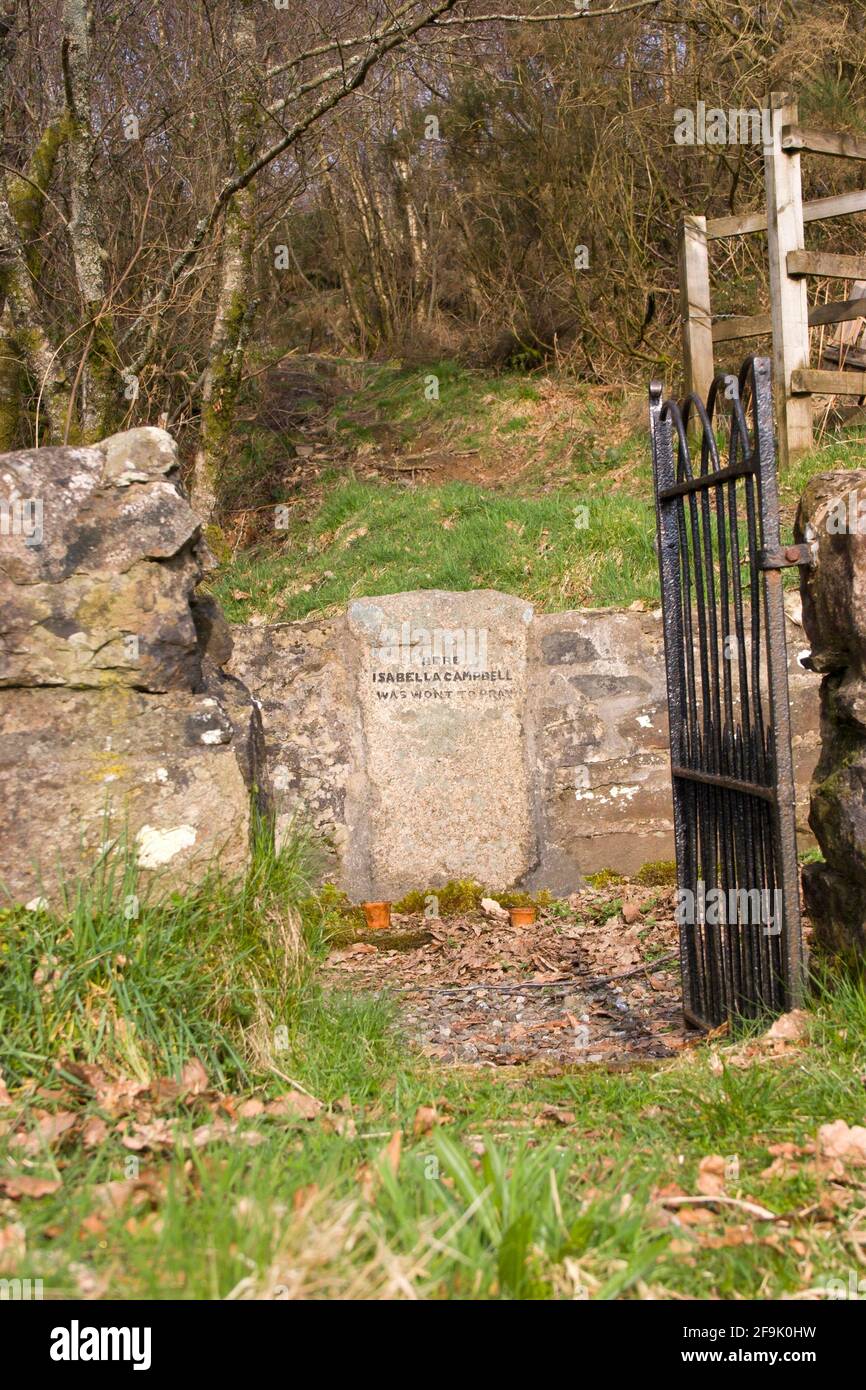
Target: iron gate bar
{"type": "Point", "coordinates": [783, 559]}
{"type": "Point", "coordinates": [734, 784]}
{"type": "Point", "coordinates": [731, 763]}
{"type": "Point", "coordinates": [705, 480]}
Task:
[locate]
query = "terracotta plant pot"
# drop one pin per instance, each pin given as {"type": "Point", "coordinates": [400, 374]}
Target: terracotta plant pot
{"type": "Point", "coordinates": [378, 916]}
{"type": "Point", "coordinates": [522, 916]}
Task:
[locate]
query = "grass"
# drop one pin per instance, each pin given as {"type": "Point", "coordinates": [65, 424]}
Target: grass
{"type": "Point", "coordinates": [844, 450]}
{"type": "Point", "coordinates": [465, 407]}
{"type": "Point", "coordinates": [142, 981]}
{"type": "Point", "coordinates": [565, 521]}
{"type": "Point", "coordinates": [563, 550]}
{"type": "Point", "coordinates": [411, 1181]}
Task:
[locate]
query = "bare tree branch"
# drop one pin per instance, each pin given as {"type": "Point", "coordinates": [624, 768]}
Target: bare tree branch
{"type": "Point", "coordinates": [240, 181]}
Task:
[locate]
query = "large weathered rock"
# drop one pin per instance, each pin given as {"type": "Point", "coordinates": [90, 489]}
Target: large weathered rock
{"type": "Point", "coordinates": [98, 593]}
{"type": "Point", "coordinates": [834, 615]}
{"type": "Point", "coordinates": [170, 774]}
{"type": "Point", "coordinates": [573, 774]}
{"type": "Point", "coordinates": [833, 589]}
{"type": "Point", "coordinates": [600, 715]}
{"type": "Point", "coordinates": [116, 723]}
{"type": "Point", "coordinates": [301, 675]}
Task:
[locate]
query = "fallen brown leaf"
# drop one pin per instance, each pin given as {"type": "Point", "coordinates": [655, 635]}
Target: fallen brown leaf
{"type": "Point", "coordinates": [790, 1027]}
{"type": "Point", "coordinates": [93, 1225]}
{"type": "Point", "coordinates": [304, 1196]}
{"type": "Point", "coordinates": [13, 1246]}
{"type": "Point", "coordinates": [87, 1072]}
{"type": "Point", "coordinates": [425, 1120]}
{"type": "Point", "coordinates": [116, 1194]}
{"type": "Point", "coordinates": [165, 1091]}
{"type": "Point", "coordinates": [25, 1186]}
{"type": "Point", "coordinates": [119, 1097]}
{"type": "Point", "coordinates": [711, 1176]}
{"type": "Point", "coordinates": [94, 1133]}
{"type": "Point", "coordinates": [343, 1125]}
{"type": "Point", "coordinates": [694, 1216]}
{"type": "Point", "coordinates": [157, 1135]}
{"type": "Point", "coordinates": [733, 1236]}
{"type": "Point", "coordinates": [295, 1103]}
{"type": "Point", "coordinates": [784, 1156]}
{"type": "Point", "coordinates": [556, 1115]}
{"type": "Point", "coordinates": [366, 1180]}
{"type": "Point", "coordinates": [207, 1134]}
{"type": "Point", "coordinates": [392, 1151]}
{"type": "Point", "coordinates": [841, 1140]}
{"type": "Point", "coordinates": [47, 1130]}
{"type": "Point", "coordinates": [194, 1077]}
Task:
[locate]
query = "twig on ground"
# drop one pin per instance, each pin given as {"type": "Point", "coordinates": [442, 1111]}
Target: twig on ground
{"type": "Point", "coordinates": [752, 1208]}
{"type": "Point", "coordinates": [290, 1082]}
{"type": "Point", "coordinates": [592, 982]}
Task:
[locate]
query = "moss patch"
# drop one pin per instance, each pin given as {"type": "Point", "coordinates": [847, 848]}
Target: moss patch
{"type": "Point", "coordinates": [659, 873]}
{"type": "Point", "coordinates": [604, 878]}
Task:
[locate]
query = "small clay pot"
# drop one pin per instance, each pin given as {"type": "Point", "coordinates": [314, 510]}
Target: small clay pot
{"type": "Point", "coordinates": [522, 916]}
{"type": "Point", "coordinates": [378, 916]}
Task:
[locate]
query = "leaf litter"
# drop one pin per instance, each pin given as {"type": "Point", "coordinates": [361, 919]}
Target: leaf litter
{"type": "Point", "coordinates": [593, 980]}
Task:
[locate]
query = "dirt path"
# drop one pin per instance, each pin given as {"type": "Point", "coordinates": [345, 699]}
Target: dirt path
{"type": "Point", "coordinates": [595, 979]}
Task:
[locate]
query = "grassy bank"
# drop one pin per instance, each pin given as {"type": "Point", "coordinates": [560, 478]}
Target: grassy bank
{"type": "Point", "coordinates": [563, 550]}
{"type": "Point", "coordinates": [540, 488]}
{"type": "Point", "coordinates": [304, 1150]}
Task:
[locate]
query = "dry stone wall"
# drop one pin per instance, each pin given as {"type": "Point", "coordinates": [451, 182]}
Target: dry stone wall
{"type": "Point", "coordinates": [116, 721]}
{"type": "Point", "coordinates": [832, 519]}
{"type": "Point", "coordinates": [427, 736]}
{"type": "Point", "coordinates": [556, 767]}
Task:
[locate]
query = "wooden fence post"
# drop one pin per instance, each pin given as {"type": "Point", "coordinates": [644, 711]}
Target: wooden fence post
{"type": "Point", "coordinates": [697, 323]}
{"type": "Point", "coordinates": [789, 309]}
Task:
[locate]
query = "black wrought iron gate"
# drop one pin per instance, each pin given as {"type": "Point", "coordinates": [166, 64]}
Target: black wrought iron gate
{"type": "Point", "coordinates": [720, 563]}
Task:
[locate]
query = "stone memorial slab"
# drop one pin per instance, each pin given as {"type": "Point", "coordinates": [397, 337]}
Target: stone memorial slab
{"type": "Point", "coordinates": [442, 695]}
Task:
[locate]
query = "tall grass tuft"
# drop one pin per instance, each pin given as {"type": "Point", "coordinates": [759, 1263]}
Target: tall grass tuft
{"type": "Point", "coordinates": [142, 981]}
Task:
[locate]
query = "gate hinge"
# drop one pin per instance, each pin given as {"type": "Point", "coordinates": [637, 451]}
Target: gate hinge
{"type": "Point", "coordinates": [783, 556]}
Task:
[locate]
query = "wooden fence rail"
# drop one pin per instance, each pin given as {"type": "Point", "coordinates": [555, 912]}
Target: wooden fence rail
{"type": "Point", "coordinates": [789, 265]}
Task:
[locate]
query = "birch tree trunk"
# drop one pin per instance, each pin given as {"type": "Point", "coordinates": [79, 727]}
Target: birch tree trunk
{"type": "Point", "coordinates": [346, 268]}
{"type": "Point", "coordinates": [25, 201]}
{"type": "Point", "coordinates": [236, 305]}
{"type": "Point", "coordinates": [413, 226]}
{"type": "Point", "coordinates": [98, 388]}
{"type": "Point", "coordinates": [30, 340]}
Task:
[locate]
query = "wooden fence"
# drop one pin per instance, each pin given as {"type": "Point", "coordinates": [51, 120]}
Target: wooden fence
{"type": "Point", "coordinates": [790, 317]}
